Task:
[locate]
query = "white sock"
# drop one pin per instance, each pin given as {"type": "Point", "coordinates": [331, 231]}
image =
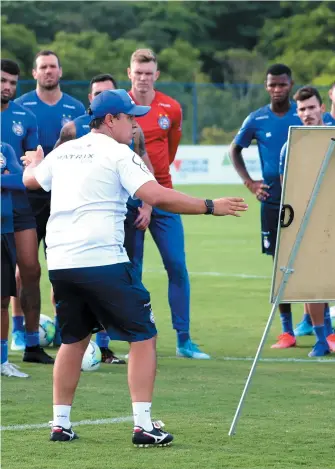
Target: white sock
{"type": "Point", "coordinates": [62, 416]}
{"type": "Point", "coordinates": [142, 415]}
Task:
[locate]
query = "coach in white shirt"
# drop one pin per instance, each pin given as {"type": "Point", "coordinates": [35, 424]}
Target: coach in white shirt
{"type": "Point", "coordinates": [95, 285]}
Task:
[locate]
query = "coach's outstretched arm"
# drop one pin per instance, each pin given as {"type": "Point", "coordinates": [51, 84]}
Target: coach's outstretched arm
{"type": "Point", "coordinates": [176, 202]}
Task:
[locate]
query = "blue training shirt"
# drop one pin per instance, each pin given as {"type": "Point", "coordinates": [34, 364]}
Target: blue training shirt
{"type": "Point", "coordinates": [19, 129]}
{"type": "Point", "coordinates": [328, 119]}
{"type": "Point", "coordinates": [50, 119]}
{"type": "Point", "coordinates": [9, 183]}
{"type": "Point", "coordinates": [82, 124]}
{"type": "Point", "coordinates": [282, 158]}
{"type": "Point", "coordinates": [270, 132]}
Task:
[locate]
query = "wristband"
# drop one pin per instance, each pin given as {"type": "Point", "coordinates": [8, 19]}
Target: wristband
{"type": "Point", "coordinates": [209, 206]}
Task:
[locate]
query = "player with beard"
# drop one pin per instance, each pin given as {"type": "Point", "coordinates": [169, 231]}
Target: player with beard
{"type": "Point", "coordinates": [52, 108]}
{"type": "Point", "coordinates": [19, 130]}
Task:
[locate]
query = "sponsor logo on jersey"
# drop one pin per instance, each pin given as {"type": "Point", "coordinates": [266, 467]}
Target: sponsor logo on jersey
{"type": "Point", "coordinates": [29, 103]}
{"type": "Point", "coordinates": [69, 106]}
{"type": "Point", "coordinates": [259, 118]}
{"type": "Point", "coordinates": [164, 104]}
{"type": "Point", "coordinates": [20, 113]}
{"type": "Point", "coordinates": [18, 128]}
{"type": "Point", "coordinates": [164, 122]}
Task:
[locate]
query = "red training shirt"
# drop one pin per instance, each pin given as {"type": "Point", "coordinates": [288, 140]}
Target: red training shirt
{"type": "Point", "coordinates": [162, 133]}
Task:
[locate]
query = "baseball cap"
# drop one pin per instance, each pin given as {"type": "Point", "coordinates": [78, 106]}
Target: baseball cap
{"type": "Point", "coordinates": [116, 102]}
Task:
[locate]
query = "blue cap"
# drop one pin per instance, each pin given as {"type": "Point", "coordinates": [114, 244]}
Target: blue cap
{"type": "Point", "coordinates": [116, 102]}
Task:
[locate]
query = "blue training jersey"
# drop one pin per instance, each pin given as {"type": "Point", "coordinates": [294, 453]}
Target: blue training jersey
{"type": "Point", "coordinates": [50, 119]}
{"type": "Point", "coordinates": [19, 129]}
{"type": "Point", "coordinates": [270, 132]}
{"type": "Point", "coordinates": [9, 183]}
{"type": "Point", "coordinates": [328, 119]}
{"type": "Point", "coordinates": [82, 124]}
{"type": "Point", "coordinates": [282, 158]}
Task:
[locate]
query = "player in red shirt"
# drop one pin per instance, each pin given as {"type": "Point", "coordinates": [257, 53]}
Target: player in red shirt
{"type": "Point", "coordinates": [162, 132]}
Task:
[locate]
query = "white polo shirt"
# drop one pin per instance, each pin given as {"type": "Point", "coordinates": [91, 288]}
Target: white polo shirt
{"type": "Point", "coordinates": [90, 180]}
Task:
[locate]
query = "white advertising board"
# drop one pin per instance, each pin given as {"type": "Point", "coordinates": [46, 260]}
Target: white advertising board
{"type": "Point", "coordinates": [210, 164]}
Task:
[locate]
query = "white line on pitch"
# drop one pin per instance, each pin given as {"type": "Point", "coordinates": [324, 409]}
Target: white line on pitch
{"type": "Point", "coordinates": [212, 274]}
{"type": "Point", "coordinates": [75, 424]}
{"type": "Point", "coordinates": [268, 360]}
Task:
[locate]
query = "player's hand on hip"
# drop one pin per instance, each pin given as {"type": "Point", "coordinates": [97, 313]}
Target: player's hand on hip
{"type": "Point", "coordinates": [144, 217]}
{"type": "Point", "coordinates": [35, 156]}
{"type": "Point", "coordinates": [229, 206]}
{"type": "Point", "coordinates": [258, 188]}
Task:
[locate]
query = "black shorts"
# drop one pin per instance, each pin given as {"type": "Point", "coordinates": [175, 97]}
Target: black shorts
{"type": "Point", "coordinates": [110, 297]}
{"type": "Point", "coordinates": [41, 209]}
{"type": "Point", "coordinates": [269, 225]}
{"type": "Point", "coordinates": [8, 262]}
{"type": "Point", "coordinates": [23, 215]}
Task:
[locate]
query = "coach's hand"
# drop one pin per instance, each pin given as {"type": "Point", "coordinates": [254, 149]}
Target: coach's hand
{"type": "Point", "coordinates": [144, 217]}
{"type": "Point", "coordinates": [34, 157]}
{"type": "Point", "coordinates": [229, 206]}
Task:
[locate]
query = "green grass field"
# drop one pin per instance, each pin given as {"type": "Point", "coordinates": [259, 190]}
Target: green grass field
{"type": "Point", "coordinates": [288, 418]}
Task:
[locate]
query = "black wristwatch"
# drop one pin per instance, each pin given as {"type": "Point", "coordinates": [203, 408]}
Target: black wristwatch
{"type": "Point", "coordinates": [210, 207]}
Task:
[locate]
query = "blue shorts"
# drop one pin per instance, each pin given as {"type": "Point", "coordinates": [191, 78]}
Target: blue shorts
{"type": "Point", "coordinates": [23, 215]}
{"type": "Point", "coordinates": [110, 297]}
{"type": "Point", "coordinates": [269, 225]}
{"type": "Point", "coordinates": [8, 262]}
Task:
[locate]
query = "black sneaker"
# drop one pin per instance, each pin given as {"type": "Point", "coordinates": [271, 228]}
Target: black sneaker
{"type": "Point", "coordinates": [107, 356]}
{"type": "Point", "coordinates": [37, 355]}
{"type": "Point", "coordinates": [62, 434]}
{"type": "Point", "coordinates": [156, 437]}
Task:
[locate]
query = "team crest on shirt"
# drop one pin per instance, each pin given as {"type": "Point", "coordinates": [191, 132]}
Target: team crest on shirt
{"type": "Point", "coordinates": [164, 121]}
{"type": "Point", "coordinates": [65, 119]}
{"type": "Point", "coordinates": [17, 128]}
{"type": "Point", "coordinates": [3, 161]}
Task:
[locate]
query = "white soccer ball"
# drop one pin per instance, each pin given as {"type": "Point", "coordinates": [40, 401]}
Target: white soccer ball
{"type": "Point", "coordinates": [47, 330]}
{"type": "Point", "coordinates": [92, 357]}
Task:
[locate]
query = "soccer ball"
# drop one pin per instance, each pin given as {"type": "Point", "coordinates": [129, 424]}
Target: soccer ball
{"type": "Point", "coordinates": [47, 330]}
{"type": "Point", "coordinates": [92, 357]}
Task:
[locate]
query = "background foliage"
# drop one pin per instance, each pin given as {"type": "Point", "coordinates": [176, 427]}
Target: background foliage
{"type": "Point", "coordinates": [223, 43]}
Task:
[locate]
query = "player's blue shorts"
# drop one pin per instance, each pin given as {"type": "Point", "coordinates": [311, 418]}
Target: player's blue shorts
{"type": "Point", "coordinates": [112, 297]}
{"type": "Point", "coordinates": [269, 226]}
{"type": "Point", "coordinates": [23, 215]}
{"type": "Point", "coordinates": [8, 262]}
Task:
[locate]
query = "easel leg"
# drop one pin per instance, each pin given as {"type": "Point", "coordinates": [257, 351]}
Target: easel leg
{"type": "Point", "coordinates": [253, 368]}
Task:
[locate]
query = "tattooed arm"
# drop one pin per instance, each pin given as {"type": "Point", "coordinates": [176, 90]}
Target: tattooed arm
{"type": "Point", "coordinates": [68, 132]}
{"type": "Point", "coordinates": [139, 142]}
{"type": "Point", "coordinates": [144, 213]}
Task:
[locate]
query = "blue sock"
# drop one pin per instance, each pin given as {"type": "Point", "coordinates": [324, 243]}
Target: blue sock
{"type": "Point", "coordinates": [32, 339]}
{"type": "Point", "coordinates": [286, 321]}
{"type": "Point", "coordinates": [4, 350]}
{"type": "Point", "coordinates": [328, 321]}
{"type": "Point", "coordinates": [18, 324]}
{"type": "Point", "coordinates": [182, 337]}
{"type": "Point", "coordinates": [306, 318]}
{"type": "Point", "coordinates": [102, 339]}
{"type": "Point", "coordinates": [57, 339]}
{"type": "Point", "coordinates": [320, 333]}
